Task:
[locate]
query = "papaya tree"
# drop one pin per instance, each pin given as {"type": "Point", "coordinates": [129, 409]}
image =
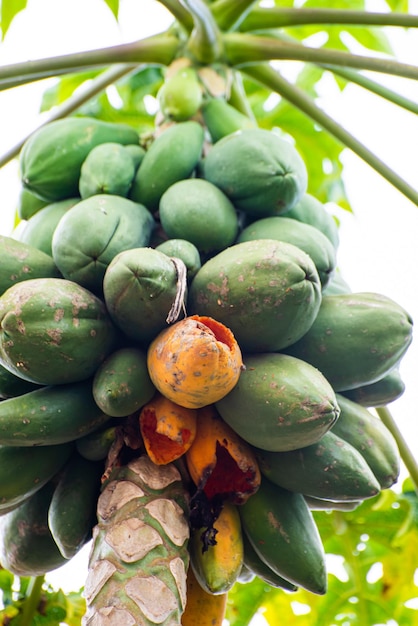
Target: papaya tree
{"type": "Point", "coordinates": [189, 387]}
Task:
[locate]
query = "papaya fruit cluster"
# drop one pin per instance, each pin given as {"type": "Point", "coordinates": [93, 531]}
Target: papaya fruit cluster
{"type": "Point", "coordinates": [187, 286]}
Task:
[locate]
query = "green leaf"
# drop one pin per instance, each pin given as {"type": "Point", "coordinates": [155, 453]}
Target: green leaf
{"type": "Point", "coordinates": [8, 11]}
{"type": "Point", "coordinates": [113, 6]}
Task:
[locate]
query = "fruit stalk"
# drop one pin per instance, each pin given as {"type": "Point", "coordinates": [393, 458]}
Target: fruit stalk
{"type": "Point", "coordinates": [205, 39]}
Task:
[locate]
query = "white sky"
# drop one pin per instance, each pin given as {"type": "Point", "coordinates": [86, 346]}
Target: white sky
{"type": "Point", "coordinates": [378, 250]}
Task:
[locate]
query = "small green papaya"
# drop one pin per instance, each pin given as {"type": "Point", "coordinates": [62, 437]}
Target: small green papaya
{"type": "Point", "coordinates": [121, 384]}
{"type": "Point", "coordinates": [27, 547]}
{"type": "Point", "coordinates": [28, 204]}
{"type": "Point", "coordinates": [88, 237]}
{"type": "Point", "coordinates": [380, 393]}
{"type": "Point", "coordinates": [96, 445]}
{"type": "Point", "coordinates": [184, 250]}
{"type": "Point", "coordinates": [172, 156]}
{"type": "Point", "coordinates": [261, 173]}
{"type": "Point", "coordinates": [368, 434]}
{"type": "Point", "coordinates": [304, 236]}
{"type": "Point", "coordinates": [355, 339]}
{"type": "Point", "coordinates": [269, 285]}
{"type": "Point", "coordinates": [336, 285]}
{"type": "Point", "coordinates": [12, 385]}
{"type": "Point", "coordinates": [137, 153]}
{"type": "Point", "coordinates": [140, 287]}
{"type": "Point", "coordinates": [51, 159]}
{"type": "Point", "coordinates": [21, 261]}
{"type": "Point", "coordinates": [39, 228]}
{"type": "Point", "coordinates": [310, 210]}
{"type": "Point", "coordinates": [199, 212]}
{"type": "Point", "coordinates": [256, 565]}
{"type": "Point", "coordinates": [330, 469]}
{"type": "Point", "coordinates": [279, 403]}
{"type": "Point", "coordinates": [320, 504]}
{"type": "Point", "coordinates": [53, 331]}
{"type": "Point", "coordinates": [281, 529]}
{"type": "Point", "coordinates": [108, 168]}
{"type": "Point", "coordinates": [181, 95]}
{"type": "Point", "coordinates": [222, 119]}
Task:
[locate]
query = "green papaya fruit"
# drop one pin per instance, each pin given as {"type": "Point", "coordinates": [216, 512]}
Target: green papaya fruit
{"type": "Point", "coordinates": [184, 250]}
{"type": "Point", "coordinates": [107, 169]}
{"type": "Point", "coordinates": [96, 445]}
{"type": "Point", "coordinates": [256, 565]}
{"type": "Point", "coordinates": [110, 225]}
{"type": "Point", "coordinates": [336, 285]}
{"type": "Point", "coordinates": [304, 236]}
{"type": "Point", "coordinates": [310, 210]}
{"type": "Point", "coordinates": [319, 504]}
{"type": "Point", "coordinates": [200, 213]}
{"type": "Point", "coordinates": [356, 338]}
{"type": "Point", "coordinates": [368, 434]}
{"type": "Point", "coordinates": [281, 529]}
{"type": "Point", "coordinates": [53, 331]}
{"type": "Point", "coordinates": [181, 95]}
{"type": "Point", "coordinates": [222, 119]}
{"type": "Point", "coordinates": [265, 284]}
{"type": "Point", "coordinates": [140, 287]}
{"type": "Point", "coordinates": [279, 403]}
{"type": "Point", "coordinates": [72, 510]}
{"type": "Point", "coordinates": [50, 415]}
{"type": "Point", "coordinates": [27, 547]}
{"type": "Point", "coordinates": [261, 173]}
{"type": "Point", "coordinates": [28, 204]}
{"type": "Point", "coordinates": [122, 385]}
{"type": "Point", "coordinates": [137, 153]}
{"type": "Point", "coordinates": [380, 393]}
{"type": "Point", "coordinates": [21, 261]}
{"type": "Point", "coordinates": [12, 385]}
{"type": "Point", "coordinates": [172, 156]}
{"type": "Point", "coordinates": [51, 159]}
{"type": "Point", "coordinates": [25, 470]}
{"type": "Point", "coordinates": [39, 229]}
{"type": "Point", "coordinates": [330, 469]}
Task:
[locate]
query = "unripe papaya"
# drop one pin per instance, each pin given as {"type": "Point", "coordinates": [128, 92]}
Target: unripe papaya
{"type": "Point", "coordinates": [380, 393]}
{"type": "Point", "coordinates": [180, 96]}
{"type": "Point", "coordinates": [282, 531]}
{"type": "Point", "coordinates": [336, 285]}
{"type": "Point", "coordinates": [12, 385]}
{"type": "Point", "coordinates": [304, 236]}
{"type": "Point", "coordinates": [28, 204]}
{"type": "Point", "coordinates": [88, 237]}
{"type": "Point", "coordinates": [310, 210]}
{"type": "Point", "coordinates": [279, 403]}
{"type": "Point", "coordinates": [53, 331]}
{"type": "Point", "coordinates": [331, 468]}
{"type": "Point", "coordinates": [121, 384]}
{"type": "Point", "coordinates": [39, 229]}
{"type": "Point", "coordinates": [355, 339]}
{"type": "Point", "coordinates": [368, 434]}
{"type": "Point", "coordinates": [107, 169]}
{"type": "Point", "coordinates": [260, 172]}
{"type": "Point", "coordinates": [51, 159]}
{"type": "Point", "coordinates": [21, 261]}
{"type": "Point", "coordinates": [172, 156]}
{"type": "Point", "coordinates": [262, 570]}
{"type": "Point", "coordinates": [269, 285]}
{"type": "Point", "coordinates": [221, 118]}
{"type": "Point", "coordinates": [184, 250]}
{"type": "Point", "coordinates": [96, 445]}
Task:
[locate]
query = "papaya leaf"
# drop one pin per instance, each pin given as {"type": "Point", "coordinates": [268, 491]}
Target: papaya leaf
{"type": "Point", "coordinates": [244, 600]}
{"type": "Point", "coordinates": [113, 6]}
{"type": "Point", "coordinates": [8, 11]}
{"type": "Point", "coordinates": [63, 88]}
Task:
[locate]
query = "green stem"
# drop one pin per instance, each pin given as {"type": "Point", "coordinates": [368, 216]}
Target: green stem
{"type": "Point", "coordinates": [205, 41]}
{"type": "Point", "coordinates": [83, 94]}
{"type": "Point", "coordinates": [406, 455]}
{"type": "Point", "coordinates": [261, 18]}
{"type": "Point", "coordinates": [268, 77]}
{"type": "Point", "coordinates": [31, 602]}
{"type": "Point", "coordinates": [181, 14]}
{"type": "Point", "coordinates": [380, 90]}
{"type": "Point", "coordinates": [157, 50]}
{"type": "Point", "coordinates": [229, 13]}
{"type": "Point", "coordinates": [241, 50]}
{"type": "Point", "coordinates": [238, 97]}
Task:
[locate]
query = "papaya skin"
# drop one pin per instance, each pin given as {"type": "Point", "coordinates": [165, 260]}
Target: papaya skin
{"type": "Point", "coordinates": [202, 608]}
{"type": "Point", "coordinates": [195, 361]}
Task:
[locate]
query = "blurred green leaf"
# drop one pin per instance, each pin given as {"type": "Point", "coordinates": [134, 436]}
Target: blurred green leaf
{"type": "Point", "coordinates": [8, 11]}
{"type": "Point", "coordinates": [113, 6]}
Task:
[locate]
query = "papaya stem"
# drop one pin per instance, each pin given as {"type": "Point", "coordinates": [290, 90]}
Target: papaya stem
{"type": "Point", "coordinates": [270, 78]}
{"type": "Point", "coordinates": [275, 17]}
{"type": "Point", "coordinates": [155, 50]}
{"type": "Point", "coordinates": [180, 13]}
{"type": "Point", "coordinates": [32, 599]}
{"type": "Point", "coordinates": [238, 97]}
{"type": "Point", "coordinates": [406, 454]}
{"type": "Point", "coordinates": [85, 93]}
{"type": "Point", "coordinates": [241, 50]}
{"type": "Point", "coordinates": [205, 41]}
{"type": "Point", "coordinates": [229, 13]}
{"type": "Point", "coordinates": [354, 76]}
